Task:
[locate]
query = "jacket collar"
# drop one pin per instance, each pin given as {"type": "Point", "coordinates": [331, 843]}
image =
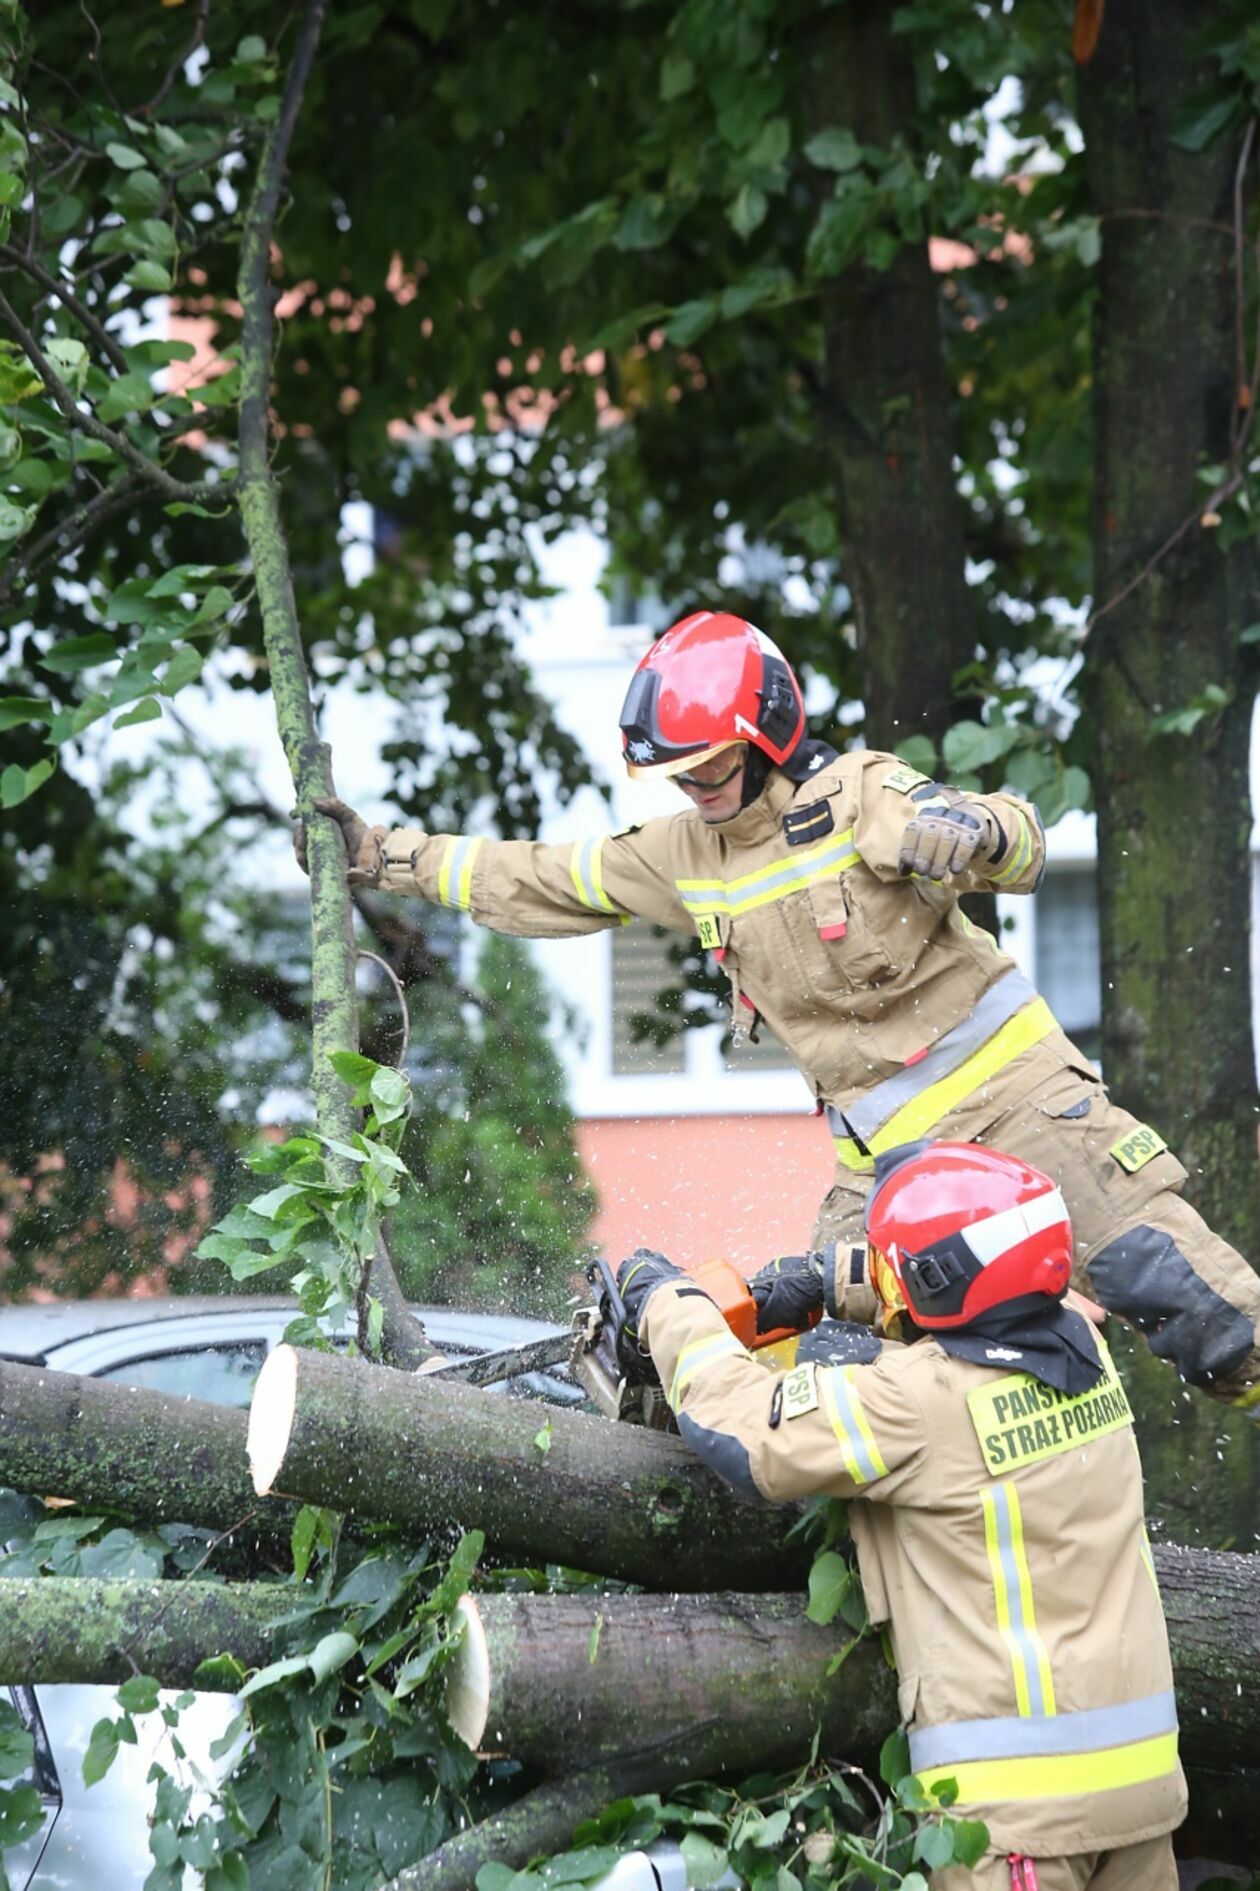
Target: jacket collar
{"type": "Point", "coordinates": [759, 821]}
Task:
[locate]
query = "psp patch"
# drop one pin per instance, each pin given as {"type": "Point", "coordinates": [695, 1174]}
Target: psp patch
{"type": "Point", "coordinates": [707, 927]}
{"type": "Point", "coordinates": [903, 778]}
{"type": "Point", "coordinates": [800, 1392]}
{"type": "Point", "coordinates": [1139, 1147]}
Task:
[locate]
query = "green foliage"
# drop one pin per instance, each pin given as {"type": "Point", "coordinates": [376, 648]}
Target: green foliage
{"type": "Point", "coordinates": [826, 1824]}
{"type": "Point", "coordinates": [501, 1207]}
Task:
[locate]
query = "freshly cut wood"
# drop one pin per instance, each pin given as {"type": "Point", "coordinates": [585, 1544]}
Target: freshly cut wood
{"type": "Point", "coordinates": [549, 1485]}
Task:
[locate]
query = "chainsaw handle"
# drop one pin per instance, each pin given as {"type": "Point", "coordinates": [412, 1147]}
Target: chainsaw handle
{"type": "Point", "coordinates": [599, 1271]}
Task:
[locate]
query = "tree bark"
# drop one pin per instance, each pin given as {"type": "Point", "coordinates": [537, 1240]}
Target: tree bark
{"type": "Point", "coordinates": [553, 1486]}
{"type": "Point", "coordinates": [886, 416]}
{"type": "Point", "coordinates": [1174, 818]}
{"type": "Point", "coordinates": [138, 1453]}
{"type": "Point", "coordinates": [1174, 812]}
{"type": "Point", "coordinates": [334, 1011]}
{"type": "Point", "coordinates": [692, 1684]}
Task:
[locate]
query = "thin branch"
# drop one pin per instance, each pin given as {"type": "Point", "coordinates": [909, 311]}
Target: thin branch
{"type": "Point", "coordinates": [401, 996]}
{"type": "Point", "coordinates": [82, 315]}
{"type": "Point", "coordinates": [118, 443]}
{"type": "Point", "coordinates": [68, 534]}
{"type": "Point", "coordinates": [181, 58]}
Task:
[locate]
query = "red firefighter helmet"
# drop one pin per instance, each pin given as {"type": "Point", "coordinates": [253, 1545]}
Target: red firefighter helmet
{"type": "Point", "coordinates": [956, 1228]}
{"type": "Point", "coordinates": [711, 680]}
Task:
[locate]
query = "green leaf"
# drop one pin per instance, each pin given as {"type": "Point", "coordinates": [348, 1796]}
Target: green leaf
{"type": "Point", "coordinates": [273, 1674]}
{"type": "Point", "coordinates": [148, 710]}
{"type": "Point", "coordinates": [19, 784]}
{"type": "Point", "coordinates": [270, 1204]}
{"type": "Point", "coordinates": [302, 1539]}
{"type": "Point", "coordinates": [131, 393]}
{"type": "Point", "coordinates": [332, 1652]}
{"type": "Point", "coordinates": [18, 380]}
{"type": "Point", "coordinates": [971, 1840]}
{"type": "Point", "coordinates": [970, 746]}
{"type": "Point", "coordinates": [690, 321]}
{"type": "Point", "coordinates": [230, 1874]}
{"type": "Point", "coordinates": [251, 50]}
{"type": "Point", "coordinates": [391, 1095]}
{"type": "Point", "coordinates": [15, 710]}
{"type": "Point", "coordinates": [542, 1439]}
{"type": "Point", "coordinates": [21, 1815]}
{"type": "Point", "coordinates": [933, 1847]}
{"type": "Point", "coordinates": [894, 1757]}
{"type": "Point", "coordinates": [17, 1747]}
{"type": "Point", "coordinates": [102, 1750]}
{"type": "Point", "coordinates": [139, 1694]}
{"type": "Point", "coordinates": [705, 1862]}
{"type": "Point", "coordinates": [1251, 634]}
{"type": "Point", "coordinates": [70, 359]}
{"type": "Point", "coordinates": [146, 274]}
{"type": "Point", "coordinates": [829, 1580]}
{"type": "Point", "coordinates": [581, 1866]}
{"type": "Point", "coordinates": [184, 667]}
{"type": "Point", "coordinates": [678, 75]}
{"type": "Point", "coordinates": [124, 157]}
{"type": "Point", "coordinates": [73, 654]}
{"type": "Point", "coordinates": [1205, 116]}
{"type": "Point", "coordinates": [835, 149]}
{"type": "Point", "coordinates": [748, 211]}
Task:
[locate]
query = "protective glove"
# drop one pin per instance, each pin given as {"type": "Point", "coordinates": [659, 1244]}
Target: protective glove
{"type": "Point", "coordinates": [637, 1277]}
{"type": "Point", "coordinates": [942, 841]}
{"type": "Point", "coordinates": [788, 1291]}
{"type": "Point", "coordinates": [365, 845]}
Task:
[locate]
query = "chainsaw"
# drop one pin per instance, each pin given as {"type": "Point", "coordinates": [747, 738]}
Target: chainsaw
{"type": "Point", "coordinates": [621, 1381]}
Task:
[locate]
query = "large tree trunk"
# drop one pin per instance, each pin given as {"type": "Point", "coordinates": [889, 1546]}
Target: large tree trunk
{"type": "Point", "coordinates": [554, 1486]}
{"type": "Point", "coordinates": [886, 416]}
{"type": "Point", "coordinates": [697, 1683]}
{"type": "Point", "coordinates": [140, 1453]}
{"type": "Point", "coordinates": [1174, 819]}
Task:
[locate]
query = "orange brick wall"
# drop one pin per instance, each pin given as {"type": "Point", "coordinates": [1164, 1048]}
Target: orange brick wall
{"type": "Point", "coordinates": [744, 1187]}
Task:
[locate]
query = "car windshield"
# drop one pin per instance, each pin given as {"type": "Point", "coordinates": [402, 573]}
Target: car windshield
{"type": "Point", "coordinates": [222, 1374]}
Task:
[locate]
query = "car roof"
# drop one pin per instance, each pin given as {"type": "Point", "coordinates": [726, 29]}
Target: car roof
{"type": "Point", "coordinates": [82, 1335]}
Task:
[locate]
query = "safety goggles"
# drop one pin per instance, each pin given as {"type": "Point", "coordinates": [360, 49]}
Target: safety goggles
{"type": "Point", "coordinates": [716, 771]}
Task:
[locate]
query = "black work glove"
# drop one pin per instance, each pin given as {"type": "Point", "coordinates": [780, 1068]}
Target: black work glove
{"type": "Point", "coordinates": [942, 841]}
{"type": "Point", "coordinates": [637, 1277]}
{"type": "Point", "coordinates": [788, 1291]}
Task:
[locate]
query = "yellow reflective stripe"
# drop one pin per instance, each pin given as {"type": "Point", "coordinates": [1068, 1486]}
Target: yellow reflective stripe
{"type": "Point", "coordinates": [848, 1153]}
{"type": "Point", "coordinates": [777, 881]}
{"type": "Point", "coordinates": [455, 876]}
{"type": "Point", "coordinates": [1013, 1599]}
{"type": "Point", "coordinates": [586, 869]}
{"type": "Point", "coordinates": [847, 1418]}
{"type": "Point", "coordinates": [1061, 1775]}
{"type": "Point", "coordinates": [917, 1117]}
{"type": "Point", "coordinates": [1021, 856]}
{"type": "Point", "coordinates": [697, 1356]}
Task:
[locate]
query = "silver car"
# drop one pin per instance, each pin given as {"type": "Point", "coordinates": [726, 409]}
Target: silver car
{"type": "Point", "coordinates": [96, 1839]}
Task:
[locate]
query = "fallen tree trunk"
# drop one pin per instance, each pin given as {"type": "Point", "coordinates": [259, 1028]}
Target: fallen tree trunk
{"type": "Point", "coordinates": [131, 1451]}
{"type": "Point", "coordinates": [696, 1683]}
{"type": "Point", "coordinates": [553, 1485]}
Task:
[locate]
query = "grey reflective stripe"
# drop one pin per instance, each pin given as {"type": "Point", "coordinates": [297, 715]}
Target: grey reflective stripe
{"type": "Point", "coordinates": [1091, 1731]}
{"type": "Point", "coordinates": [867, 1114]}
{"type": "Point", "coordinates": [593, 895]}
{"type": "Point", "coordinates": [1021, 1631]}
{"type": "Point", "coordinates": [459, 860]}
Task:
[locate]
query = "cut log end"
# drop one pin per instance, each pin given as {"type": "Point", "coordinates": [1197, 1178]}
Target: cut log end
{"type": "Point", "coordinates": [468, 1675]}
{"type": "Point", "coordinates": [271, 1418]}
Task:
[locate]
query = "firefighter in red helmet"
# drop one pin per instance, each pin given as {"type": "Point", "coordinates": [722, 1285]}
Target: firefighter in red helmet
{"type": "Point", "coordinates": [826, 885]}
{"type": "Point", "coordinates": [1001, 1533]}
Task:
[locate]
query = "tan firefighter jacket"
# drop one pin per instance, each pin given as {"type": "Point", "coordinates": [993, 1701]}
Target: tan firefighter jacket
{"type": "Point", "coordinates": [1001, 1537]}
{"type": "Point", "coordinates": [860, 973]}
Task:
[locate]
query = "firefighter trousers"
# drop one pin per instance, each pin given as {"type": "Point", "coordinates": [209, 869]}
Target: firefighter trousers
{"type": "Point", "coordinates": [1140, 1248]}
{"type": "Point", "coordinates": [1149, 1866]}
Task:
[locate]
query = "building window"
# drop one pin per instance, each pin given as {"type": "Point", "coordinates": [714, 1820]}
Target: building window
{"type": "Point", "coordinates": [641, 968]}
{"type": "Point", "coordinates": [1069, 974]}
